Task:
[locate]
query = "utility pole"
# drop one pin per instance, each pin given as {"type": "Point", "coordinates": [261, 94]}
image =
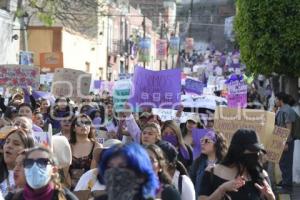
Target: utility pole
{"type": "Point", "coordinates": [161, 36]}
{"type": "Point", "coordinates": [190, 15]}
{"type": "Point", "coordinates": [144, 28]}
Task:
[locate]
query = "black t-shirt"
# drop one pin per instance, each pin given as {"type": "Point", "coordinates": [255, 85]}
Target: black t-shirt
{"type": "Point", "coordinates": [211, 182]}
{"type": "Point", "coordinates": [169, 192]}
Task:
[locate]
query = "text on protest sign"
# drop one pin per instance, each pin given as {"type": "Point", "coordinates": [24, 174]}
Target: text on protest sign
{"type": "Point", "coordinates": [229, 120]}
{"type": "Point", "coordinates": [42, 138]}
{"type": "Point", "coordinates": [237, 94]}
{"type": "Point", "coordinates": [19, 76]}
{"type": "Point", "coordinates": [71, 83]}
{"type": "Point", "coordinates": [194, 86]}
{"type": "Point", "coordinates": [276, 144]}
{"type": "Point", "coordinates": [121, 94]}
{"type": "Point", "coordinates": [156, 88]}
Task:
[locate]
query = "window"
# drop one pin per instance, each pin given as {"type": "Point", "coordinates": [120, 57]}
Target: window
{"type": "Point", "coordinates": [4, 4]}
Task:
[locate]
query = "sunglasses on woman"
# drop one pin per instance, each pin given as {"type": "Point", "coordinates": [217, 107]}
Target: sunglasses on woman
{"type": "Point", "coordinates": [82, 123]}
{"type": "Point", "coordinates": [206, 141]}
{"type": "Point", "coordinates": [41, 162]}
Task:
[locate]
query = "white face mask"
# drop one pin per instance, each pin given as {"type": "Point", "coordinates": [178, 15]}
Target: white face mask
{"type": "Point", "coordinates": [235, 60]}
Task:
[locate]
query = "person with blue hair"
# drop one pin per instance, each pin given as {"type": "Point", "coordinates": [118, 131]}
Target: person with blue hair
{"type": "Point", "coordinates": [127, 172]}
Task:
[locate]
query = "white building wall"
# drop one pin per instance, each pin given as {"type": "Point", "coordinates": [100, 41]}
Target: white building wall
{"type": "Point", "coordinates": [9, 48]}
{"type": "Point", "coordinates": [79, 52]}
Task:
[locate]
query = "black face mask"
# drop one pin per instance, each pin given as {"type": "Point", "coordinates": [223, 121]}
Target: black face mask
{"type": "Point", "coordinates": [254, 166]}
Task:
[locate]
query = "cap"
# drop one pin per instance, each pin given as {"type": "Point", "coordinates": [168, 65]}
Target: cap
{"type": "Point", "coordinates": [248, 140]}
{"type": "Point", "coordinates": [194, 117]}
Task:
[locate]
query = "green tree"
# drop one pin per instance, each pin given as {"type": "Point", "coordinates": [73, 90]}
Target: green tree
{"type": "Point", "coordinates": [268, 33]}
{"type": "Point", "coordinates": [78, 15]}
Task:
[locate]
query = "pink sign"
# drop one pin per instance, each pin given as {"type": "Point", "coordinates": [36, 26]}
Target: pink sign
{"type": "Point", "coordinates": [237, 94]}
{"type": "Point", "coordinates": [20, 76]}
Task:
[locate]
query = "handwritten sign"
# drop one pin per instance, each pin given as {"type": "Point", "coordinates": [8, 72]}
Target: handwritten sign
{"type": "Point", "coordinates": [194, 86]}
{"type": "Point", "coordinates": [161, 49]}
{"type": "Point", "coordinates": [42, 138]}
{"type": "Point", "coordinates": [164, 114]}
{"type": "Point", "coordinates": [229, 120]}
{"type": "Point", "coordinates": [276, 145]}
{"type": "Point", "coordinates": [19, 76]}
{"type": "Point", "coordinates": [237, 94]}
{"type": "Point", "coordinates": [160, 89]}
{"type": "Point", "coordinates": [70, 83]}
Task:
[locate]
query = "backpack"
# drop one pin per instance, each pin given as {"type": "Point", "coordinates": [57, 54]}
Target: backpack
{"type": "Point", "coordinates": [180, 184]}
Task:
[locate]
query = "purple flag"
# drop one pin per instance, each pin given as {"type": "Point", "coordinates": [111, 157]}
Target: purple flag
{"type": "Point", "coordinates": [160, 89]}
{"type": "Point", "coordinates": [193, 86]}
{"type": "Point", "coordinates": [197, 135]}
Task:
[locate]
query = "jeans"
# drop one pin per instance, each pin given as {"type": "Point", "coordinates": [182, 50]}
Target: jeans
{"type": "Point", "coordinates": [286, 164]}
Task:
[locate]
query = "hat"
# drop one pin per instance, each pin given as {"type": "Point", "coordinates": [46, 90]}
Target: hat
{"type": "Point", "coordinates": [145, 114]}
{"type": "Point", "coordinates": [194, 117]}
{"type": "Point", "coordinates": [4, 131]}
{"type": "Point", "coordinates": [248, 140]}
{"type": "Point", "coordinates": [62, 151]}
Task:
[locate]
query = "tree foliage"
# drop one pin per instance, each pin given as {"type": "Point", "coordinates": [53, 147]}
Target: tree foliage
{"type": "Point", "coordinates": [78, 15]}
{"type": "Point", "coordinates": [268, 33]}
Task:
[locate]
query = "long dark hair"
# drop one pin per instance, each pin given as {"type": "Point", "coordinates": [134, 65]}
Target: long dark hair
{"type": "Point", "coordinates": [91, 134]}
{"type": "Point", "coordinates": [236, 157]}
{"type": "Point", "coordinates": [27, 141]}
{"type": "Point", "coordinates": [163, 174]}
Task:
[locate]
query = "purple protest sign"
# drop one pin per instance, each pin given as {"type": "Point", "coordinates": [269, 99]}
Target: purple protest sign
{"type": "Point", "coordinates": [237, 94]}
{"type": "Point", "coordinates": [193, 86]}
{"type": "Point", "coordinates": [97, 84]}
{"type": "Point", "coordinates": [197, 135]}
{"type": "Point", "coordinates": [160, 89]}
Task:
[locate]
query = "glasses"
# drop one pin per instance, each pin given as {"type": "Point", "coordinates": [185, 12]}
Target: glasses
{"type": "Point", "coordinates": [206, 141]}
{"type": "Point", "coordinates": [41, 162]}
{"type": "Point", "coordinates": [82, 123]}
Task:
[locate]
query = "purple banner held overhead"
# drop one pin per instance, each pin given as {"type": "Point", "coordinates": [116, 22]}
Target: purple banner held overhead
{"type": "Point", "coordinates": [193, 86]}
{"type": "Point", "coordinates": [159, 89]}
{"type": "Point", "coordinates": [197, 135]}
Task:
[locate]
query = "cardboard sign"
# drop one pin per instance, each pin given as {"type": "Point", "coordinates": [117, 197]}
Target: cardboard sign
{"type": "Point", "coordinates": [161, 49]}
{"type": "Point", "coordinates": [229, 120]}
{"type": "Point", "coordinates": [193, 86]}
{"type": "Point", "coordinates": [160, 89]}
{"type": "Point", "coordinates": [19, 76]}
{"type": "Point", "coordinates": [276, 145]}
{"type": "Point", "coordinates": [70, 83]}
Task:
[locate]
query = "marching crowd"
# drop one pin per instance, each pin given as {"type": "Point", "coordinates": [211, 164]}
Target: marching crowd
{"type": "Point", "coordinates": [99, 154]}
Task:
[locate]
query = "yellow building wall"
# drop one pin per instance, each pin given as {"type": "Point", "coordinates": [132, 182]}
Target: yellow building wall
{"type": "Point", "coordinates": [39, 41]}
